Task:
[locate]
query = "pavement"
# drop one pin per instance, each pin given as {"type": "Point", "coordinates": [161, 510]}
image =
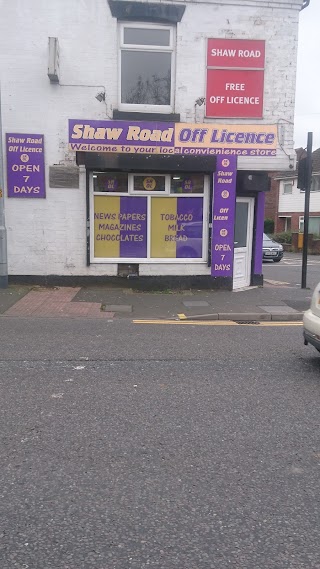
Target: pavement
{"type": "Point", "coordinates": [281, 299]}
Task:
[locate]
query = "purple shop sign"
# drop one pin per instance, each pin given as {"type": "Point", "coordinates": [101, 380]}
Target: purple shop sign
{"type": "Point", "coordinates": [119, 136]}
{"type": "Point", "coordinates": [223, 216]}
{"type": "Point", "coordinates": [25, 166]}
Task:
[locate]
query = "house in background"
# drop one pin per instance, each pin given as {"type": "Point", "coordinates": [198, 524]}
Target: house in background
{"type": "Point", "coordinates": [285, 201]}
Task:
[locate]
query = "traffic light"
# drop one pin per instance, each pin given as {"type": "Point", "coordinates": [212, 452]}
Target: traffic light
{"type": "Point", "coordinates": [302, 174]}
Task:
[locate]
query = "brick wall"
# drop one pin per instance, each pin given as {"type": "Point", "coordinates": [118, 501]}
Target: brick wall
{"type": "Point", "coordinates": [280, 222]}
{"type": "Point", "coordinates": [271, 201]}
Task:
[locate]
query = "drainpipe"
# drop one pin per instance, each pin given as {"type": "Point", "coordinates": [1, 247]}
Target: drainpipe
{"type": "Point", "coordinates": [305, 5]}
{"type": "Point", "coordinates": [3, 231]}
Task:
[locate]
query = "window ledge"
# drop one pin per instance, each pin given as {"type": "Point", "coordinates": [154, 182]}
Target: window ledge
{"type": "Point", "coordinates": [137, 116]}
{"type": "Point", "coordinates": [146, 11]}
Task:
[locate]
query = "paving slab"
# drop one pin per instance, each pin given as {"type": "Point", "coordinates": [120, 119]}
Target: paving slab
{"type": "Point", "coordinates": [117, 307]}
{"type": "Point", "coordinates": [44, 302]}
{"type": "Point", "coordinates": [195, 303]}
{"type": "Point", "coordinates": [9, 296]}
{"type": "Point", "coordinates": [300, 305]}
{"type": "Point", "coordinates": [100, 300]}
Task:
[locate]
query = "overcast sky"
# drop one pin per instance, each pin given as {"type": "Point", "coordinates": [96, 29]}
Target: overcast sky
{"type": "Point", "coordinates": [307, 116]}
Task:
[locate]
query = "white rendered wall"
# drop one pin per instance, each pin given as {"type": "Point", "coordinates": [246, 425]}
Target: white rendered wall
{"type": "Point", "coordinates": [49, 236]}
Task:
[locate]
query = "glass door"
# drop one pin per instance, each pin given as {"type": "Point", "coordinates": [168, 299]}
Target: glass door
{"type": "Point", "coordinates": [243, 242]}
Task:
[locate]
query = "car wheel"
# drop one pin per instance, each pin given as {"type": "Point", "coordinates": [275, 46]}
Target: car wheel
{"type": "Point", "coordinates": [276, 260]}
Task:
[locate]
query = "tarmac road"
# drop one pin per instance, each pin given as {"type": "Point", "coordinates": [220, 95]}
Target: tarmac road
{"type": "Point", "coordinates": [133, 446]}
{"type": "Point", "coordinates": [290, 267]}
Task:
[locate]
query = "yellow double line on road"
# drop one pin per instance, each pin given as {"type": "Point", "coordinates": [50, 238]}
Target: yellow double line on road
{"type": "Point", "coordinates": [215, 323]}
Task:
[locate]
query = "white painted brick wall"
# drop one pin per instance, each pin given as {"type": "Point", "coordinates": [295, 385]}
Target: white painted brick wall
{"type": "Point", "coordinates": [48, 236]}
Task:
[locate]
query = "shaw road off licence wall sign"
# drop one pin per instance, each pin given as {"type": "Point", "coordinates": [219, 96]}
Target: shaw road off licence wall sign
{"type": "Point", "coordinates": [235, 78]}
{"type": "Point", "coordinates": [126, 137]}
{"type": "Point", "coordinates": [223, 216]}
{"type": "Point", "coordinates": [25, 166]}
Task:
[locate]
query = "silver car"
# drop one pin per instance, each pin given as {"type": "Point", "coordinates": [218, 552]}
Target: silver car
{"type": "Point", "coordinates": [271, 249]}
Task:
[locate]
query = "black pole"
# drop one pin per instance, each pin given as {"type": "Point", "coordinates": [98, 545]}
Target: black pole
{"type": "Point", "coordinates": [306, 212]}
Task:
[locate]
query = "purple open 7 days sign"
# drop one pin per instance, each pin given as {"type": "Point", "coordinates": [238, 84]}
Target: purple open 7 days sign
{"type": "Point", "coordinates": [223, 216]}
{"type": "Point", "coordinates": [25, 166]}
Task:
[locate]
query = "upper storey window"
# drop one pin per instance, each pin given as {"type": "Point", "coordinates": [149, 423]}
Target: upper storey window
{"type": "Point", "coordinates": [146, 67]}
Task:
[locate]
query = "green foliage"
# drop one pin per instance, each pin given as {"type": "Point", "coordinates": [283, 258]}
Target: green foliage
{"type": "Point", "coordinates": [268, 226]}
{"type": "Point", "coordinates": [283, 237]}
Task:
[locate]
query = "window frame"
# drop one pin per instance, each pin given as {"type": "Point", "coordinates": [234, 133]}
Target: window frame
{"type": "Point", "coordinates": [286, 217]}
{"type": "Point", "coordinates": [283, 187]}
{"type": "Point", "coordinates": [301, 223]}
{"type": "Point", "coordinates": [205, 195]}
{"type": "Point", "coordinates": [313, 179]}
{"type": "Point", "coordinates": [315, 183]}
{"type": "Point", "coordinates": [171, 48]}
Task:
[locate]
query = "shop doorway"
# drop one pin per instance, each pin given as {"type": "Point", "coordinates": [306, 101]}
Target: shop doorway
{"type": "Point", "coordinates": [243, 242]}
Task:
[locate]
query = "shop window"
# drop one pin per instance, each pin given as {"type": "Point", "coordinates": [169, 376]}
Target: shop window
{"type": "Point", "coordinates": [146, 67]}
{"type": "Point", "coordinates": [187, 184]}
{"type": "Point", "coordinates": [148, 183]}
{"type": "Point", "coordinates": [177, 228]}
{"type": "Point", "coordinates": [154, 221]}
{"type": "Point", "coordinates": [241, 225]}
{"type": "Point", "coordinates": [110, 182]}
{"type": "Point", "coordinates": [287, 188]}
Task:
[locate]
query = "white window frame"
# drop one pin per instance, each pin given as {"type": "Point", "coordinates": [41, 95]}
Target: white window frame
{"type": "Point", "coordinates": [312, 184]}
{"type": "Point", "coordinates": [315, 178]}
{"type": "Point", "coordinates": [283, 187]}
{"type": "Point", "coordinates": [152, 48]}
{"type": "Point", "coordinates": [133, 192]}
{"type": "Point", "coordinates": [301, 221]}
{"type": "Point", "coordinates": [148, 194]}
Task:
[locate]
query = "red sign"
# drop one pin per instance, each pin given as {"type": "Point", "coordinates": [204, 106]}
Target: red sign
{"type": "Point", "coordinates": [246, 54]}
{"type": "Point", "coordinates": [234, 93]}
{"type": "Point", "coordinates": [235, 78]}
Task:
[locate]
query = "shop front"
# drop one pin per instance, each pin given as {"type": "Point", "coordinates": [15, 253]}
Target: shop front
{"type": "Point", "coordinates": [149, 217]}
{"type": "Point", "coordinates": [164, 199]}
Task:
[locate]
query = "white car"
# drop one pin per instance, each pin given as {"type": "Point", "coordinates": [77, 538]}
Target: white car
{"type": "Point", "coordinates": [311, 321]}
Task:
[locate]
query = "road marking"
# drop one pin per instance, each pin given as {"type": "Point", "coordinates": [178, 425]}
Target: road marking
{"type": "Point", "coordinates": [270, 281]}
{"type": "Point", "coordinates": [215, 323]}
{"type": "Point", "coordinates": [295, 263]}
{"type": "Point", "coordinates": [182, 316]}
